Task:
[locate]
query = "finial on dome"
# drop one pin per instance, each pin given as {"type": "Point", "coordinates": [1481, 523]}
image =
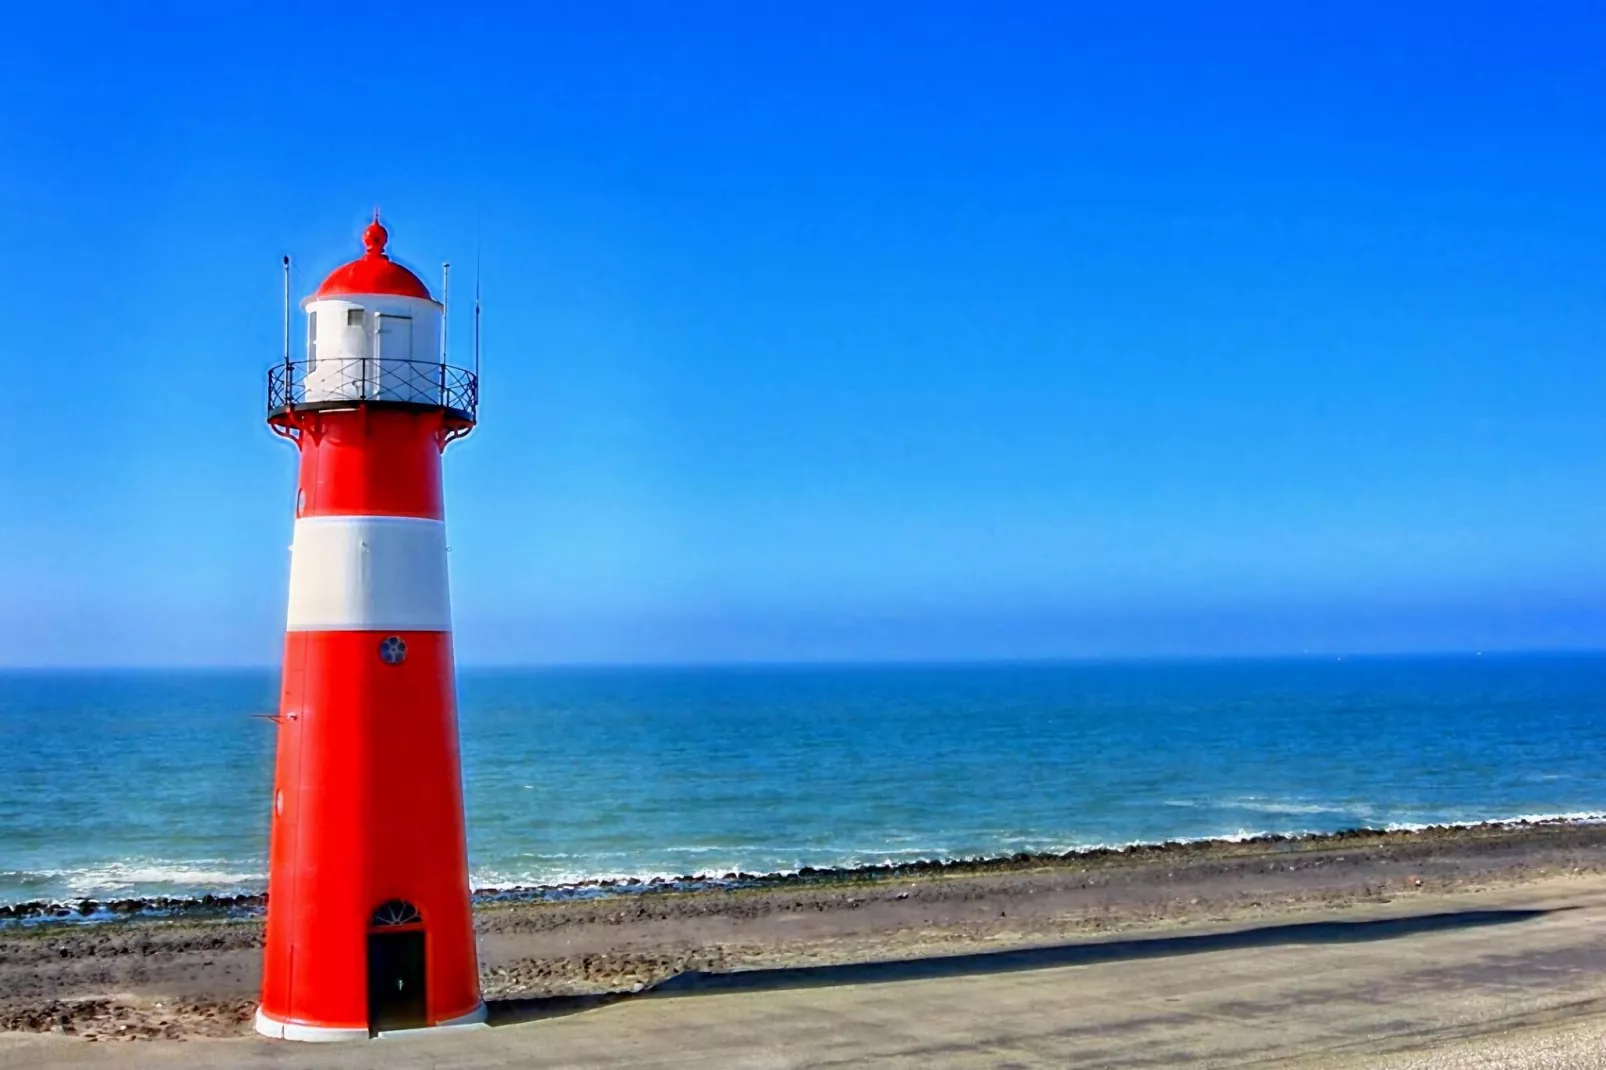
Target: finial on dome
{"type": "Point", "coordinates": [375, 236]}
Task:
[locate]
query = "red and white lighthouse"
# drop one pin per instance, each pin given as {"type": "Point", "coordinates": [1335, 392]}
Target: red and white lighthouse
{"type": "Point", "coordinates": [369, 927]}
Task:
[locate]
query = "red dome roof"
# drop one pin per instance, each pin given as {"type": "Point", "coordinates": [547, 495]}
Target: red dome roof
{"type": "Point", "coordinates": [374, 272]}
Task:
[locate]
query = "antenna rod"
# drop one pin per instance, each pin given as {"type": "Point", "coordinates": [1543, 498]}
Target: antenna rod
{"type": "Point", "coordinates": [446, 299]}
{"type": "Point", "coordinates": [287, 315]}
{"type": "Point", "coordinates": [476, 319]}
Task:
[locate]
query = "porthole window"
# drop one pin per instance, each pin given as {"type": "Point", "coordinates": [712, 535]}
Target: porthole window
{"type": "Point", "coordinates": [393, 650]}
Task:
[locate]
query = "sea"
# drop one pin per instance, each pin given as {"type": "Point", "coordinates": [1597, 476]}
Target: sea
{"type": "Point", "coordinates": [157, 783]}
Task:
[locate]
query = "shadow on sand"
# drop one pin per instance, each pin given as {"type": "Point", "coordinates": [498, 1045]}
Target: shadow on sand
{"type": "Point", "coordinates": [508, 1011]}
{"type": "Point", "coordinates": [535, 1008]}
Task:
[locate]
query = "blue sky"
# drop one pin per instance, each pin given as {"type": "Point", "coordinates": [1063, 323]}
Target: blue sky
{"type": "Point", "coordinates": [859, 331]}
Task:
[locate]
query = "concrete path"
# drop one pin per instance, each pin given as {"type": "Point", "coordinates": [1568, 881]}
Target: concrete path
{"type": "Point", "coordinates": [1513, 978]}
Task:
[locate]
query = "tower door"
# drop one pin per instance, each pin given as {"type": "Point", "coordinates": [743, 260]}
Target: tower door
{"type": "Point", "coordinates": [399, 378]}
{"type": "Point", "coordinates": [395, 338]}
{"type": "Point", "coordinates": [396, 994]}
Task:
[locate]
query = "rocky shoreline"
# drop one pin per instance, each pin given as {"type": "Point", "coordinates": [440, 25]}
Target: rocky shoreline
{"type": "Point", "coordinates": [252, 905]}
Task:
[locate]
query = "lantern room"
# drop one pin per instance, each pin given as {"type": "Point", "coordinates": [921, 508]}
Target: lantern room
{"type": "Point", "coordinates": [374, 334]}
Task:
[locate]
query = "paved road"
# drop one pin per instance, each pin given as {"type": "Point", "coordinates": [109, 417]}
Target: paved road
{"type": "Point", "coordinates": [1513, 978]}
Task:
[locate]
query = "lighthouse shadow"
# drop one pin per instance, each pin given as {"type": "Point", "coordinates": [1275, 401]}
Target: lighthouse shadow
{"type": "Point", "coordinates": [513, 1011]}
{"type": "Point", "coordinates": [697, 982]}
{"type": "Point", "coordinates": [1089, 953]}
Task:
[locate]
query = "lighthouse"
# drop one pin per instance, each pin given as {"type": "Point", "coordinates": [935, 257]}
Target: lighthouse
{"type": "Point", "coordinates": [369, 926]}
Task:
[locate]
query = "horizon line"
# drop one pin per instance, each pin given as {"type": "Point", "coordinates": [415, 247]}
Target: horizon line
{"type": "Point", "coordinates": [884, 662]}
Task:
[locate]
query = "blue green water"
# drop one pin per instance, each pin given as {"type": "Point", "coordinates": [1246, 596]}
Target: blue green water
{"type": "Point", "coordinates": [157, 783]}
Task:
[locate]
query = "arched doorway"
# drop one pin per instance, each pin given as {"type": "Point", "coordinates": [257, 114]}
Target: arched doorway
{"type": "Point", "coordinates": [398, 996]}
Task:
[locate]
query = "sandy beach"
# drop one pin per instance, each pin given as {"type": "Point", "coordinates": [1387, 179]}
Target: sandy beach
{"type": "Point", "coordinates": [171, 981]}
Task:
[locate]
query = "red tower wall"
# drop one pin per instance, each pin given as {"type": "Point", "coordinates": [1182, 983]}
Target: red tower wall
{"type": "Point", "coordinates": [367, 786]}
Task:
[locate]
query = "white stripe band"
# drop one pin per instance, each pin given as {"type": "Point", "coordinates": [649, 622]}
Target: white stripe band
{"type": "Point", "coordinates": [369, 573]}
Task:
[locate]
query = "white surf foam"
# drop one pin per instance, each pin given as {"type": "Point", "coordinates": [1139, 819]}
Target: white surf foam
{"type": "Point", "coordinates": [1577, 817]}
{"type": "Point", "coordinates": [151, 876]}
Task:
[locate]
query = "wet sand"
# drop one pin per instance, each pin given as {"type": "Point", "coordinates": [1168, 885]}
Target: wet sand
{"type": "Point", "coordinates": [191, 978]}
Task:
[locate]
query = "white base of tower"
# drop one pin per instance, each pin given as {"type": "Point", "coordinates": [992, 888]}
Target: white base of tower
{"type": "Point", "coordinates": [272, 1027]}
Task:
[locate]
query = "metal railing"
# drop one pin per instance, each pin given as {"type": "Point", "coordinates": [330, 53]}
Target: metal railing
{"type": "Point", "coordinates": [342, 380]}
